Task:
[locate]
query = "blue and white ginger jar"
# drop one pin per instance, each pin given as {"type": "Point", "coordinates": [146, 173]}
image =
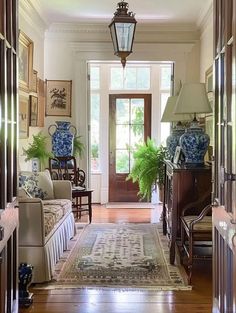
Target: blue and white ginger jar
{"type": "Point", "coordinates": [194, 143]}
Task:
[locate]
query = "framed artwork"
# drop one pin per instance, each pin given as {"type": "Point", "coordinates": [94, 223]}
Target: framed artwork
{"type": "Point", "coordinates": [25, 64]}
{"type": "Point", "coordinates": [23, 116]}
{"type": "Point", "coordinates": [33, 111]}
{"type": "Point", "coordinates": [58, 97]}
{"type": "Point", "coordinates": [209, 84]}
{"type": "Point", "coordinates": [41, 101]}
{"type": "Point", "coordinates": [177, 155]}
{"type": "Point", "coordinates": [209, 120]}
{"type": "Point", "coordinates": [34, 87]}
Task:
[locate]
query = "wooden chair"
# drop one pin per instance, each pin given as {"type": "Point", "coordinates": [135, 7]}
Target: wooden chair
{"type": "Point", "coordinates": [65, 168]}
{"type": "Point", "coordinates": [196, 231]}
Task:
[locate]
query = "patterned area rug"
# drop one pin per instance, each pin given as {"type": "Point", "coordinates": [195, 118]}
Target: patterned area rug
{"type": "Point", "coordinates": [125, 256]}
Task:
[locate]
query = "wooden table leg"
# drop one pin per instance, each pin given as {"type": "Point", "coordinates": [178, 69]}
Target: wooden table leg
{"type": "Point", "coordinates": [90, 207]}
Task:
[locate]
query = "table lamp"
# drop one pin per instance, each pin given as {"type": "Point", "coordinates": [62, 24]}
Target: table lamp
{"type": "Point", "coordinates": [168, 115]}
{"type": "Point", "coordinates": [194, 142]}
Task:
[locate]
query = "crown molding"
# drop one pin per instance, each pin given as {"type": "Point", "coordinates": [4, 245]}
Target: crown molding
{"type": "Point", "coordinates": [102, 28]}
{"type": "Point", "coordinates": [30, 15]}
{"type": "Point", "coordinates": [204, 18]}
{"type": "Point", "coordinates": [71, 32]}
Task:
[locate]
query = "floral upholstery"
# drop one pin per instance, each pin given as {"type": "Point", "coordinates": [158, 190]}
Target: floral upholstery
{"type": "Point", "coordinates": [37, 184]}
{"type": "Point", "coordinates": [53, 211]}
{"type": "Point", "coordinates": [63, 203]}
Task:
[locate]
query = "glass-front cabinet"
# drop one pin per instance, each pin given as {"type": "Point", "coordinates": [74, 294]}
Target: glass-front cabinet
{"type": "Point", "coordinates": [8, 153]}
{"type": "Point", "coordinates": [224, 187]}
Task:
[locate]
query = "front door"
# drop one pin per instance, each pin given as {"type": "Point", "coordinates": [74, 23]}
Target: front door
{"type": "Point", "coordinates": [130, 124]}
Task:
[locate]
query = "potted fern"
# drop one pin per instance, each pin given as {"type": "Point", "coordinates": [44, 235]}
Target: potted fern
{"type": "Point", "coordinates": [37, 150]}
{"type": "Point", "coordinates": [78, 147]}
{"type": "Point", "coordinates": [148, 168]}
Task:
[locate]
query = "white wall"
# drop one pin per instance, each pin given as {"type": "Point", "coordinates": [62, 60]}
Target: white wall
{"type": "Point", "coordinates": [31, 24]}
{"type": "Point", "coordinates": [206, 46]}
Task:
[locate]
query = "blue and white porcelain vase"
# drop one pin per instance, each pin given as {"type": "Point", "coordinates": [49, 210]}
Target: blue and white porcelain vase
{"type": "Point", "coordinates": [194, 143]}
{"type": "Point", "coordinates": [172, 141]}
{"type": "Point", "coordinates": [62, 139]}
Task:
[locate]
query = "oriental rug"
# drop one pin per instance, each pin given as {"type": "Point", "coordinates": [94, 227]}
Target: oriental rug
{"type": "Point", "coordinates": [124, 256]}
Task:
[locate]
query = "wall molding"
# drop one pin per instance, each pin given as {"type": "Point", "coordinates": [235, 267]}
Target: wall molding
{"type": "Point", "coordinates": [70, 32]}
{"type": "Point", "coordinates": [204, 18]}
{"type": "Point", "coordinates": [32, 17]}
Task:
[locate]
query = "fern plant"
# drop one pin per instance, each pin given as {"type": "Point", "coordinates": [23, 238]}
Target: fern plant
{"type": "Point", "coordinates": [38, 149]}
{"type": "Point", "coordinates": [148, 168]}
{"type": "Point", "coordinates": [78, 147]}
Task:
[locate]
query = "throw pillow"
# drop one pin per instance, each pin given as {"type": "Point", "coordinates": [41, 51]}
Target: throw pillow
{"type": "Point", "coordinates": [37, 184]}
{"type": "Point", "coordinates": [23, 194]}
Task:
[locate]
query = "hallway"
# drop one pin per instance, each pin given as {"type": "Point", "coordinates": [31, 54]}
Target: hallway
{"type": "Point", "coordinates": [104, 301]}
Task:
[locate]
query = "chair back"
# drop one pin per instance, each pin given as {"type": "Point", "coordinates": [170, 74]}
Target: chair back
{"type": "Point", "coordinates": [65, 168]}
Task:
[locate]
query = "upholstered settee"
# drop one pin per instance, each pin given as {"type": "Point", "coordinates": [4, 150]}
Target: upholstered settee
{"type": "Point", "coordinates": [46, 225]}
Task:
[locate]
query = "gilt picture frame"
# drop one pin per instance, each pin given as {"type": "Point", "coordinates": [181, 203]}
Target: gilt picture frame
{"type": "Point", "coordinates": [177, 155]}
{"type": "Point", "coordinates": [23, 116]}
{"type": "Point", "coordinates": [25, 62]}
{"type": "Point", "coordinates": [209, 119]}
{"type": "Point", "coordinates": [33, 111]}
{"type": "Point", "coordinates": [41, 101]}
{"type": "Point", "coordinates": [58, 97]}
{"type": "Point", "coordinates": [34, 86]}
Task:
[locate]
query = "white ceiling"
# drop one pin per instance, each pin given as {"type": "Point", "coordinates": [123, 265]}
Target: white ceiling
{"type": "Point", "coordinates": [91, 11]}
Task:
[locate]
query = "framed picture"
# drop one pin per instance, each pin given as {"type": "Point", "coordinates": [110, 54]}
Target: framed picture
{"type": "Point", "coordinates": [209, 84]}
{"type": "Point", "coordinates": [177, 155]}
{"type": "Point", "coordinates": [34, 86]}
{"type": "Point", "coordinates": [58, 97]}
{"type": "Point", "coordinates": [23, 116]}
{"type": "Point", "coordinates": [209, 120]}
{"type": "Point", "coordinates": [33, 111]}
{"type": "Point", "coordinates": [41, 101]}
{"type": "Point", "coordinates": [25, 62]}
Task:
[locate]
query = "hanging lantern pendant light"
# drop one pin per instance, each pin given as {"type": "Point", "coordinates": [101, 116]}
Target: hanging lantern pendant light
{"type": "Point", "coordinates": [122, 28]}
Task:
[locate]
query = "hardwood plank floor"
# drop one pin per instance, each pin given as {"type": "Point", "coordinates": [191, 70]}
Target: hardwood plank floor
{"type": "Point", "coordinates": [199, 300]}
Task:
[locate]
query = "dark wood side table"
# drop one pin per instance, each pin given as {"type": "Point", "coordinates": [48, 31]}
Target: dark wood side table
{"type": "Point", "coordinates": [78, 205]}
{"type": "Point", "coordinates": [183, 184]}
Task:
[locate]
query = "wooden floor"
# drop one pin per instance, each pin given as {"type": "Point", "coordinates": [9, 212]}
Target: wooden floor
{"type": "Point", "coordinates": [93, 301]}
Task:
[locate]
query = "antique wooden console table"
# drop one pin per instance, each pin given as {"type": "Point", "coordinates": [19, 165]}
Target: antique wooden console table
{"type": "Point", "coordinates": [183, 184]}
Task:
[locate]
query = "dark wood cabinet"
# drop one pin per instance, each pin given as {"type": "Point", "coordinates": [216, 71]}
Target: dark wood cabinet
{"type": "Point", "coordinates": [183, 184]}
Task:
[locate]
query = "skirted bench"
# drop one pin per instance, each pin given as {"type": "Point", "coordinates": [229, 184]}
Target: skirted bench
{"type": "Point", "coordinates": [46, 225]}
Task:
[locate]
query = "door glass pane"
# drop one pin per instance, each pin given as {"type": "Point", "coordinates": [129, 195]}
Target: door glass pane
{"type": "Point", "coordinates": [131, 156]}
{"type": "Point", "coordinates": [122, 161]}
{"type": "Point", "coordinates": [122, 136]}
{"type": "Point", "coordinates": [137, 135]}
{"type": "Point", "coordinates": [137, 111]}
{"type": "Point", "coordinates": [122, 111]}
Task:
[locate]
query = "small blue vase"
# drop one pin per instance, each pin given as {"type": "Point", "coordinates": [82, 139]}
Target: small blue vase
{"type": "Point", "coordinates": [194, 143]}
{"type": "Point", "coordinates": [62, 139]}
